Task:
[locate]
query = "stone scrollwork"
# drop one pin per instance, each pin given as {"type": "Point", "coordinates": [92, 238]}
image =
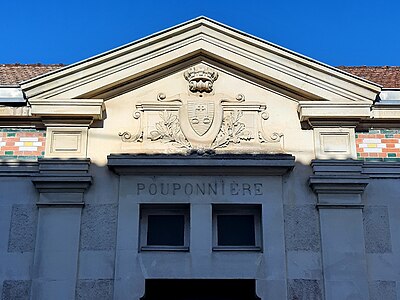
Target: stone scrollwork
{"type": "Point", "coordinates": [275, 137]}
{"type": "Point", "coordinates": [264, 115]}
{"type": "Point", "coordinates": [127, 136]}
{"type": "Point", "coordinates": [161, 97]}
{"type": "Point", "coordinates": [201, 120]}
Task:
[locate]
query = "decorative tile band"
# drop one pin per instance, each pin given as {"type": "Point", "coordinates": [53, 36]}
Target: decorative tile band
{"type": "Point", "coordinates": [23, 144]}
{"type": "Point", "coordinates": [378, 145]}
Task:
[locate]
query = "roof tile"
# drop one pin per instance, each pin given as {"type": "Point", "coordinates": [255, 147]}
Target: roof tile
{"type": "Point", "coordinates": [14, 74]}
{"type": "Point", "coordinates": [388, 77]}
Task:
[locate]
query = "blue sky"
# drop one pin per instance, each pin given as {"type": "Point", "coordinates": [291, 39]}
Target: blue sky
{"type": "Point", "coordinates": [335, 32]}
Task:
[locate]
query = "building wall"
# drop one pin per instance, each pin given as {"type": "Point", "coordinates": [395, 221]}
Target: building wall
{"type": "Point", "coordinates": [382, 242]}
{"type": "Point", "coordinates": [18, 223]}
{"type": "Point", "coordinates": [103, 213]}
{"type": "Point", "coordinates": [104, 261]}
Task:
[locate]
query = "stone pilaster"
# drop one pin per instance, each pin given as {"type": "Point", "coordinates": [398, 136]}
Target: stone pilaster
{"type": "Point", "coordinates": [339, 185]}
{"type": "Point", "coordinates": [61, 184]}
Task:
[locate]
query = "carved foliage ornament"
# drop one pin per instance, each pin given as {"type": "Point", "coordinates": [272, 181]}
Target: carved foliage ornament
{"type": "Point", "coordinates": [201, 123]}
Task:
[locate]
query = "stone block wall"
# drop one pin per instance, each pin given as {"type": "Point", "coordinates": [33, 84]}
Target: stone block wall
{"type": "Point", "coordinates": [18, 223]}
{"type": "Point", "coordinates": [303, 252]}
{"type": "Point", "coordinates": [22, 144]}
{"type": "Point", "coordinates": [378, 145]}
{"type": "Point", "coordinates": [382, 244]}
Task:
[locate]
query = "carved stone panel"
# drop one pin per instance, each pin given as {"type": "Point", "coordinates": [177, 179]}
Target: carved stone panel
{"type": "Point", "coordinates": [334, 143]}
{"type": "Point", "coordinates": [66, 142]}
{"type": "Point", "coordinates": [201, 120]}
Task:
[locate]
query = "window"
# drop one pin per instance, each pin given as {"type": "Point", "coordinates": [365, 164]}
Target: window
{"type": "Point", "coordinates": [236, 227]}
{"type": "Point", "coordinates": [164, 227]}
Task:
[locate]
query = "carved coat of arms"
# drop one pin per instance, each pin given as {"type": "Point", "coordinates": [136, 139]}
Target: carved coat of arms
{"type": "Point", "coordinates": [201, 114]}
{"type": "Point", "coordinates": [201, 124]}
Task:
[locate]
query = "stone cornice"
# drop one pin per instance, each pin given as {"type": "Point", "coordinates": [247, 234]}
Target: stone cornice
{"type": "Point", "coordinates": [62, 184]}
{"type": "Point", "coordinates": [324, 113]}
{"type": "Point", "coordinates": [278, 164]}
{"type": "Point", "coordinates": [334, 167]}
{"type": "Point", "coordinates": [338, 183]}
{"type": "Point", "coordinates": [335, 184]}
{"type": "Point", "coordinates": [70, 108]}
{"type": "Point", "coordinates": [68, 178]}
{"type": "Point", "coordinates": [206, 37]}
{"type": "Point", "coordinates": [16, 168]}
{"type": "Point", "coordinates": [382, 111]}
{"type": "Point", "coordinates": [65, 167]}
{"type": "Point", "coordinates": [381, 169]}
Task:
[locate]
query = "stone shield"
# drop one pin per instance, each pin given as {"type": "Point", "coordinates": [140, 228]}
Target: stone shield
{"type": "Point", "coordinates": [201, 116]}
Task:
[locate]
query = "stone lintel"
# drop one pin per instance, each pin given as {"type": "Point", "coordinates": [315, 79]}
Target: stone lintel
{"type": "Point", "coordinates": [270, 164]}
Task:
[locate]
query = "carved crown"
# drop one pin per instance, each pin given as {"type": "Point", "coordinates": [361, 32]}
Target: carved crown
{"type": "Point", "coordinates": [201, 78]}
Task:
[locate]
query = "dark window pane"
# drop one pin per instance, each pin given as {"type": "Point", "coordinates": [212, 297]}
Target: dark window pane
{"type": "Point", "coordinates": [165, 230]}
{"type": "Point", "coordinates": [236, 230]}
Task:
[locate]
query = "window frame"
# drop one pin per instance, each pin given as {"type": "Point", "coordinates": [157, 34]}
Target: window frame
{"type": "Point", "coordinates": [163, 210]}
{"type": "Point", "coordinates": [238, 210]}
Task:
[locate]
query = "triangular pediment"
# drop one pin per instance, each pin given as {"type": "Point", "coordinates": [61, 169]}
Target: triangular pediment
{"type": "Point", "coordinates": [201, 40]}
{"type": "Point", "coordinates": [199, 87]}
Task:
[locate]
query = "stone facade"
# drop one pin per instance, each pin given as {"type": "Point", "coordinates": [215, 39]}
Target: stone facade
{"type": "Point", "coordinates": [200, 157]}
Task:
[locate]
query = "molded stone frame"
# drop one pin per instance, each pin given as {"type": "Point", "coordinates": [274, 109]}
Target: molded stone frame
{"type": "Point", "coordinates": [239, 210]}
{"type": "Point", "coordinates": [166, 209]}
{"type": "Point", "coordinates": [66, 142]}
{"type": "Point", "coordinates": [335, 143]}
